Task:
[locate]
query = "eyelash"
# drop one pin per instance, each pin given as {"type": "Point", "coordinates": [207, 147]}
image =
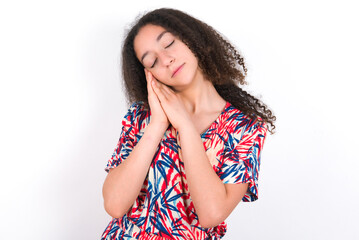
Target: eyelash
{"type": "Point", "coordinates": [154, 63]}
{"type": "Point", "coordinates": [170, 44]}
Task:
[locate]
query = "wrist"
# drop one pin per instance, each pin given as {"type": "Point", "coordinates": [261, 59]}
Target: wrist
{"type": "Point", "coordinates": [157, 127]}
{"type": "Point", "coordinates": [154, 133]}
{"type": "Point", "coordinates": [186, 127]}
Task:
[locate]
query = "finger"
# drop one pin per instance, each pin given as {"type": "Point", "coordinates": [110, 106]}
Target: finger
{"type": "Point", "coordinates": [149, 78]}
{"type": "Point", "coordinates": [166, 90]}
{"type": "Point", "coordinates": [148, 75]}
{"type": "Point", "coordinates": [157, 90]}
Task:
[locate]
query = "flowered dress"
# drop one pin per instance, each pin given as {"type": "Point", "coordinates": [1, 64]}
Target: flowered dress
{"type": "Point", "coordinates": [164, 209]}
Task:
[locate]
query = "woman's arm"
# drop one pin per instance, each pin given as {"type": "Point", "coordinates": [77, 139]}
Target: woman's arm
{"type": "Point", "coordinates": [123, 183]}
{"type": "Point", "coordinates": [212, 199]}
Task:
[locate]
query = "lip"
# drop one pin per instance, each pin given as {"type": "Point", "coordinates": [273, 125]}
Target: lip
{"type": "Point", "coordinates": [177, 70]}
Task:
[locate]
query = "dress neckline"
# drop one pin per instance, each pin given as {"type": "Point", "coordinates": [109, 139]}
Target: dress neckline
{"type": "Point", "coordinates": [216, 121]}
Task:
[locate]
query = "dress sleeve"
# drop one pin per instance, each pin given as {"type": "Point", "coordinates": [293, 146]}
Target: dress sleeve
{"type": "Point", "coordinates": [130, 135]}
{"type": "Point", "coordinates": [242, 158]}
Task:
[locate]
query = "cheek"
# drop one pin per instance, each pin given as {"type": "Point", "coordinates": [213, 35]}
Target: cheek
{"type": "Point", "coordinates": [159, 75]}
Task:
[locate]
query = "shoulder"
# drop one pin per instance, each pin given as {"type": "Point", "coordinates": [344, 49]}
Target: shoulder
{"type": "Point", "coordinates": [136, 114]}
{"type": "Point", "coordinates": [236, 123]}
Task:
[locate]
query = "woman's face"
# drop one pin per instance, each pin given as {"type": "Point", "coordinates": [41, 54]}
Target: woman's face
{"type": "Point", "coordinates": [166, 57]}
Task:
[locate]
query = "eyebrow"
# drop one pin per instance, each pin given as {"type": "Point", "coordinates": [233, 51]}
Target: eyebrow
{"type": "Point", "coordinates": [157, 40]}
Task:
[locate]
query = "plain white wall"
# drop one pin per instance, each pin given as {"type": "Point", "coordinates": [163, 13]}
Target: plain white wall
{"type": "Point", "coordinates": [62, 105]}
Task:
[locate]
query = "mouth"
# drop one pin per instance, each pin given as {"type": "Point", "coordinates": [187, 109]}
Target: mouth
{"type": "Point", "coordinates": [177, 70]}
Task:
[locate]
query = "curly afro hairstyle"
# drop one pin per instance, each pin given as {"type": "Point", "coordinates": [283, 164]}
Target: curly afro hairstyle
{"type": "Point", "coordinates": [218, 59]}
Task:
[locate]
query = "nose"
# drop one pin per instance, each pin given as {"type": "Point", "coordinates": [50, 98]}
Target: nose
{"type": "Point", "coordinates": [167, 59]}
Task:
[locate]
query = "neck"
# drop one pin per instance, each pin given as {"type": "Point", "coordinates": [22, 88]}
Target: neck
{"type": "Point", "coordinates": [201, 96]}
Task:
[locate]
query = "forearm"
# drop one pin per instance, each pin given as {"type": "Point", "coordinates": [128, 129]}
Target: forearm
{"type": "Point", "coordinates": [208, 192]}
{"type": "Point", "coordinates": [123, 183]}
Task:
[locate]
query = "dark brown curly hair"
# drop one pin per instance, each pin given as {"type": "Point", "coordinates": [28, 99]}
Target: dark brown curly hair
{"type": "Point", "coordinates": [218, 59]}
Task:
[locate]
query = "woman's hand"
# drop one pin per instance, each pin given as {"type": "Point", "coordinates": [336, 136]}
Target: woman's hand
{"type": "Point", "coordinates": [158, 115]}
{"type": "Point", "coordinates": [172, 105]}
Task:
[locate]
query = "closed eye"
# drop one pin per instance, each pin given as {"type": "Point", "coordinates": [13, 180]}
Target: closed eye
{"type": "Point", "coordinates": [170, 44]}
{"type": "Point", "coordinates": [154, 63]}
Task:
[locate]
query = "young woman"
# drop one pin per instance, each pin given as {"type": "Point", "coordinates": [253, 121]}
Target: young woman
{"type": "Point", "coordinates": [190, 145]}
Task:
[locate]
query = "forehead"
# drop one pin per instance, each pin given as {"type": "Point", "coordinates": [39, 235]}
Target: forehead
{"type": "Point", "coordinates": [146, 37]}
{"type": "Point", "coordinates": [149, 29]}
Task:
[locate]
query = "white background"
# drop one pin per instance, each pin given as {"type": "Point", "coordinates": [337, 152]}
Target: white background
{"type": "Point", "coordinates": [61, 105]}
